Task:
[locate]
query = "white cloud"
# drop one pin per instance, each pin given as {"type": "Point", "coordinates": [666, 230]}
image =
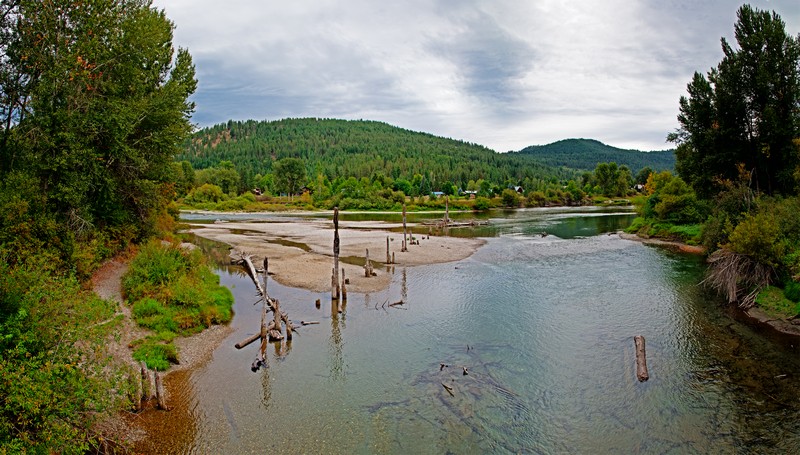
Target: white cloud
{"type": "Point", "coordinates": [505, 74]}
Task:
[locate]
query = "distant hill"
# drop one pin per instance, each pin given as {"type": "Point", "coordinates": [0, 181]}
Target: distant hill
{"type": "Point", "coordinates": [584, 154]}
{"type": "Point", "coordinates": [358, 148]}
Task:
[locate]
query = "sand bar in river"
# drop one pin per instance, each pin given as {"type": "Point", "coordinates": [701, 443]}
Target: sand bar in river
{"type": "Point", "coordinates": [300, 251]}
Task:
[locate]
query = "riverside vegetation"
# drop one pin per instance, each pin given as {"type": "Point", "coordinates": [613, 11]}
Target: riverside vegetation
{"type": "Point", "coordinates": [738, 165]}
{"type": "Point", "coordinates": [94, 106]}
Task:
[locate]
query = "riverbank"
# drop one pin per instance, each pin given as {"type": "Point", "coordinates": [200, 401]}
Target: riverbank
{"type": "Point", "coordinates": [676, 246]}
{"type": "Point", "coordinates": [754, 316]}
{"type": "Point", "coordinates": [300, 251]}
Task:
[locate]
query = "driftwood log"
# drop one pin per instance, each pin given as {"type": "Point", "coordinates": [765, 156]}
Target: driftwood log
{"type": "Point", "coordinates": [270, 330]}
{"type": "Point", "coordinates": [641, 359]}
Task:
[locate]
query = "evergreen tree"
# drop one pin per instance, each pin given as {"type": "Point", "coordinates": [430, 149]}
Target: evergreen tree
{"type": "Point", "coordinates": [745, 113]}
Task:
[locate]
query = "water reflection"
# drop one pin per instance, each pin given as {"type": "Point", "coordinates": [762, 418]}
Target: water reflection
{"type": "Point", "coordinates": [266, 387]}
{"type": "Point", "coordinates": [336, 358]}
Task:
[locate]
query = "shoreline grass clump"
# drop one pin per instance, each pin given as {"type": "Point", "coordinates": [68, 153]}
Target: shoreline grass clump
{"type": "Point", "coordinates": [173, 292]}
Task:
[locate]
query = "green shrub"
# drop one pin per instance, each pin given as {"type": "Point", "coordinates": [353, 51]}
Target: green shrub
{"type": "Point", "coordinates": [173, 292]}
{"type": "Point", "coordinates": [792, 291]}
{"type": "Point", "coordinates": [482, 203]}
{"type": "Point", "coordinates": [156, 354]}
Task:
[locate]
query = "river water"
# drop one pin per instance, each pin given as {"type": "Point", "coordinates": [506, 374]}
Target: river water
{"type": "Point", "coordinates": [544, 326]}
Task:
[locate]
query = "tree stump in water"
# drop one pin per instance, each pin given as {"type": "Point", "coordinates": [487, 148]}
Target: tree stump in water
{"type": "Point", "coordinates": [404, 247]}
{"type": "Point", "coordinates": [160, 399]}
{"type": "Point", "coordinates": [335, 277]}
{"type": "Point", "coordinates": [367, 266]}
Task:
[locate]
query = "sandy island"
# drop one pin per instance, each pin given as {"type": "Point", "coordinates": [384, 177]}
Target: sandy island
{"type": "Point", "coordinates": [300, 252]}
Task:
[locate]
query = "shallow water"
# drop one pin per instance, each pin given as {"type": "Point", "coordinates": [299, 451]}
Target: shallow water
{"type": "Point", "coordinates": [544, 326]}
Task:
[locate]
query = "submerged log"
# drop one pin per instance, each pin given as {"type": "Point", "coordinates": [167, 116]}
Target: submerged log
{"type": "Point", "coordinates": [641, 359]}
{"type": "Point", "coordinates": [448, 388]}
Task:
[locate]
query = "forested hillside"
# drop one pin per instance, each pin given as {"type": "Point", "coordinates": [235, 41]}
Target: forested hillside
{"type": "Point", "coordinates": [585, 154]}
{"type": "Point", "coordinates": [342, 148]}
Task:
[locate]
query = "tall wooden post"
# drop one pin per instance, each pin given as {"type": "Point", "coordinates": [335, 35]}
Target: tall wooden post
{"type": "Point", "coordinates": [404, 247]}
{"type": "Point", "coordinates": [388, 258]}
{"type": "Point", "coordinates": [367, 266]}
{"type": "Point", "coordinates": [335, 279]}
{"type": "Point", "coordinates": [266, 273]}
{"type": "Point", "coordinates": [446, 210]}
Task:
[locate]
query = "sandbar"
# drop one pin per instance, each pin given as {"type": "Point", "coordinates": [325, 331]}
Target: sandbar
{"type": "Point", "coordinates": [300, 250]}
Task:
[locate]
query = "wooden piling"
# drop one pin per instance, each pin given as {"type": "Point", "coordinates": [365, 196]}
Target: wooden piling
{"type": "Point", "coordinates": [367, 266]}
{"type": "Point", "coordinates": [335, 279]}
{"type": "Point", "coordinates": [404, 246]}
{"type": "Point", "coordinates": [388, 258]}
{"type": "Point", "coordinates": [145, 378]}
{"type": "Point", "coordinates": [641, 359]}
{"type": "Point", "coordinates": [160, 399]}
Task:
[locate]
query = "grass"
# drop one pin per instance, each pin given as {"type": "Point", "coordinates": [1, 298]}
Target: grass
{"type": "Point", "coordinates": [773, 301]}
{"type": "Point", "coordinates": [172, 292]}
{"type": "Point", "coordinates": [686, 233]}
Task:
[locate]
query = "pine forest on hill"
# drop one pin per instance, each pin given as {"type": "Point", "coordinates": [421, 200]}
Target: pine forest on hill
{"type": "Point", "coordinates": [342, 148]}
{"type": "Point", "coordinates": [358, 148]}
{"type": "Point", "coordinates": [585, 154]}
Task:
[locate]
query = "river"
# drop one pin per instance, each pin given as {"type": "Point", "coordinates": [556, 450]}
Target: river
{"type": "Point", "coordinates": [544, 326]}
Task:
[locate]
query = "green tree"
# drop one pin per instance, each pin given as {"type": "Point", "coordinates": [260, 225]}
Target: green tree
{"type": "Point", "coordinates": [289, 175]}
{"type": "Point", "coordinates": [510, 198]}
{"type": "Point", "coordinates": [606, 175]}
{"type": "Point", "coordinates": [745, 111]}
{"type": "Point", "coordinates": [98, 108]}
{"type": "Point", "coordinates": [223, 176]}
{"type": "Point", "coordinates": [642, 175]}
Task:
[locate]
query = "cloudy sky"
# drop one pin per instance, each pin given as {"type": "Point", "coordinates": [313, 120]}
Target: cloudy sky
{"type": "Point", "coordinates": [502, 73]}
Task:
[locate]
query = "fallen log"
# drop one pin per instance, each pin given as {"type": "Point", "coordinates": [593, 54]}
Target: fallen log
{"type": "Point", "coordinates": [641, 359]}
{"type": "Point", "coordinates": [399, 302]}
{"type": "Point", "coordinates": [309, 322]}
{"type": "Point", "coordinates": [248, 340]}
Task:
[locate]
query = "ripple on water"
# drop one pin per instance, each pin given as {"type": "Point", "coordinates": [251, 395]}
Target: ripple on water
{"type": "Point", "coordinates": [545, 328]}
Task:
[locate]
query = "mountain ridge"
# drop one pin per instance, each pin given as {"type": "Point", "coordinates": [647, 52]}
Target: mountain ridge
{"type": "Point", "coordinates": [585, 154]}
